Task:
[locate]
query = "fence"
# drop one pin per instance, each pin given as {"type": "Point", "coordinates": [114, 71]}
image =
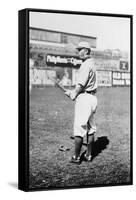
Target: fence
{"type": "Point", "coordinates": [68, 77]}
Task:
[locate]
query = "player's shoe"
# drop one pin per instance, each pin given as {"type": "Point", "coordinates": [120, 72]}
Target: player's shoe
{"type": "Point", "coordinates": [75, 160]}
{"type": "Point", "coordinates": [87, 158]}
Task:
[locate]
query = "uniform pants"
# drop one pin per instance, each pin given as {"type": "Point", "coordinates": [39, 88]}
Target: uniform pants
{"type": "Point", "coordinates": [85, 108]}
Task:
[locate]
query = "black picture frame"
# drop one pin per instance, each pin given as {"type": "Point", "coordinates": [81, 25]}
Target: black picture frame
{"type": "Point", "coordinates": [24, 100]}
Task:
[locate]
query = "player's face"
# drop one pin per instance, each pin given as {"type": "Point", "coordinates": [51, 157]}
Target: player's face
{"type": "Point", "coordinates": [82, 52]}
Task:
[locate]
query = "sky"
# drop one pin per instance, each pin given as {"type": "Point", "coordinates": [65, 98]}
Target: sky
{"type": "Point", "coordinates": [111, 32]}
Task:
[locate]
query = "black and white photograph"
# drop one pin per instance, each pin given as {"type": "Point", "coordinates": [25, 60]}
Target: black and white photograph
{"type": "Point", "coordinates": [79, 106]}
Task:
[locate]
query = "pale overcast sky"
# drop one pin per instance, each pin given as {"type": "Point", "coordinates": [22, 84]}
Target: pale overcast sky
{"type": "Point", "coordinates": [111, 32]}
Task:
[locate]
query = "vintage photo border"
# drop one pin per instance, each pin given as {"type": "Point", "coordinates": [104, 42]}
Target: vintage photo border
{"type": "Point", "coordinates": [23, 91]}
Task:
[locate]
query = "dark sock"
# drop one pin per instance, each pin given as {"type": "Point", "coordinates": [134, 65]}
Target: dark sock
{"type": "Point", "coordinates": [90, 144]}
{"type": "Point", "coordinates": [78, 145]}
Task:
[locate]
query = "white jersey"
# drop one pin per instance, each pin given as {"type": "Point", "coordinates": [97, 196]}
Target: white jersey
{"type": "Point", "coordinates": [87, 75]}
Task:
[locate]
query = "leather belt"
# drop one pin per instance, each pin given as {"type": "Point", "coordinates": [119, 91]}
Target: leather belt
{"type": "Point", "coordinates": [90, 92]}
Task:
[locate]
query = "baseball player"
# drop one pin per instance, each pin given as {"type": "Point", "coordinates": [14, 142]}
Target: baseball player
{"type": "Point", "coordinates": [85, 105]}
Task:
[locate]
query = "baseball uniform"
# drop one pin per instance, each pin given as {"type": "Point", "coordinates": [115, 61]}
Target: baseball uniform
{"type": "Point", "coordinates": [86, 102]}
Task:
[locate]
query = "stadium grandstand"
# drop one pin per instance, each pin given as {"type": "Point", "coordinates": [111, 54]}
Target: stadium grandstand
{"type": "Point", "coordinates": [56, 52]}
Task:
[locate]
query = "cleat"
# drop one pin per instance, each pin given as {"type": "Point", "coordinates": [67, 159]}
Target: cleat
{"type": "Point", "coordinates": [87, 158]}
{"type": "Point", "coordinates": [75, 160]}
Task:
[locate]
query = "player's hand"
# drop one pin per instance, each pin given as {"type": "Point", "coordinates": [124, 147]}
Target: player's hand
{"type": "Point", "coordinates": [71, 94]}
{"type": "Point", "coordinates": [68, 93]}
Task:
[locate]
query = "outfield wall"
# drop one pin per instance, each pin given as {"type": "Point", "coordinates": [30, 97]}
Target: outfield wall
{"type": "Point", "coordinates": [111, 70]}
{"type": "Point", "coordinates": [69, 76]}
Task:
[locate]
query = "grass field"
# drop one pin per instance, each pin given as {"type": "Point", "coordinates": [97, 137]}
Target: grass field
{"type": "Point", "coordinates": [51, 125]}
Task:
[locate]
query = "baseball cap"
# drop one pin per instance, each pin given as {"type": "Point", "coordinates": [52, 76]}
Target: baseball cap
{"type": "Point", "coordinates": [83, 45]}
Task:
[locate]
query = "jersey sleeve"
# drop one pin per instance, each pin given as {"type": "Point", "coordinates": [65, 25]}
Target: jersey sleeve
{"type": "Point", "coordinates": [84, 73]}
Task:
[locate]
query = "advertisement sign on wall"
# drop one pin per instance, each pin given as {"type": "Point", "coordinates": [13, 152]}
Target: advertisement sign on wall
{"type": "Point", "coordinates": [63, 61]}
{"type": "Point", "coordinates": [104, 78]}
{"type": "Point", "coordinates": [120, 78]}
{"type": "Point", "coordinates": [68, 78]}
{"type": "Point", "coordinates": [39, 77]}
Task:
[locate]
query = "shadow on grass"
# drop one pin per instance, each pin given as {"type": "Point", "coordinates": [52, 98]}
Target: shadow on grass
{"type": "Point", "coordinates": [99, 145]}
